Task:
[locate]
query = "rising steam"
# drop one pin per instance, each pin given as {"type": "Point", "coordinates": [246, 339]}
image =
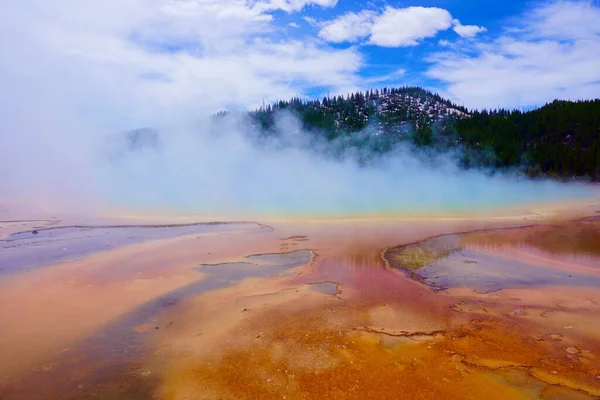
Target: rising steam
{"type": "Point", "coordinates": [219, 167]}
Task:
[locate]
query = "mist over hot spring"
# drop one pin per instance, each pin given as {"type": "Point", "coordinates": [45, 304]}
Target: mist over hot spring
{"type": "Point", "coordinates": [76, 77]}
{"type": "Point", "coordinates": [220, 167]}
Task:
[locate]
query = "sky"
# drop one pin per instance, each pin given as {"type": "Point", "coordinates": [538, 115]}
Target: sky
{"type": "Point", "coordinates": [75, 75]}
{"type": "Point", "coordinates": [127, 63]}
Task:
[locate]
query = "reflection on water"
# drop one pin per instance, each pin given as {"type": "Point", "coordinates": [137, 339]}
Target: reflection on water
{"type": "Point", "coordinates": [254, 266]}
{"type": "Point", "coordinates": [23, 251]}
{"type": "Point", "coordinates": [485, 272]}
{"type": "Point", "coordinates": [460, 261]}
{"type": "Point", "coordinates": [386, 337]}
{"type": "Point", "coordinates": [532, 254]}
{"type": "Point", "coordinates": [325, 288]}
{"type": "Point", "coordinates": [581, 237]}
{"type": "Point", "coordinates": [347, 326]}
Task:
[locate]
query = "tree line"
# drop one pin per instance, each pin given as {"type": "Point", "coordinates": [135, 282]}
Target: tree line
{"type": "Point", "coordinates": [560, 139]}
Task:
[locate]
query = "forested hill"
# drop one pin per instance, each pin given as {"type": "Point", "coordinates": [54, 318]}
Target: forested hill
{"type": "Point", "coordinates": [560, 139]}
{"type": "Point", "coordinates": [394, 111]}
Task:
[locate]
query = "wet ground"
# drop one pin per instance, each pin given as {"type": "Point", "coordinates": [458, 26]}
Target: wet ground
{"type": "Point", "coordinates": [304, 310]}
{"type": "Point", "coordinates": [24, 250]}
{"type": "Point", "coordinates": [494, 260]}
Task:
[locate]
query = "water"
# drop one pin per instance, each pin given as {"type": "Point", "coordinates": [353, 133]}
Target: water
{"type": "Point", "coordinates": [24, 251]}
{"type": "Point", "coordinates": [113, 353]}
{"type": "Point", "coordinates": [445, 262]}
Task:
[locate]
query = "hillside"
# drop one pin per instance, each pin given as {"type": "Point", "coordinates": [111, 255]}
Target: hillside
{"type": "Point", "coordinates": [560, 139]}
{"type": "Point", "coordinates": [396, 111]}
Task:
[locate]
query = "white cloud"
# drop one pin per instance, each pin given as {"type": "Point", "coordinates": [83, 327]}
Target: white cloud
{"type": "Point", "coordinates": [553, 52]}
{"type": "Point", "coordinates": [394, 27]}
{"type": "Point", "coordinates": [292, 5]}
{"type": "Point", "coordinates": [128, 62]}
{"type": "Point", "coordinates": [293, 25]}
{"type": "Point", "coordinates": [311, 21]}
{"type": "Point", "coordinates": [73, 72]}
{"type": "Point", "coordinates": [406, 26]}
{"type": "Point", "coordinates": [348, 27]}
{"type": "Point", "coordinates": [568, 20]}
{"type": "Point", "coordinates": [445, 43]}
{"type": "Point", "coordinates": [467, 31]}
{"type": "Point", "coordinates": [392, 77]}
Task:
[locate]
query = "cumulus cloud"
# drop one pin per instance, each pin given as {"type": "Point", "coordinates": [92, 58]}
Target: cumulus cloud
{"type": "Point", "coordinates": [141, 59]}
{"type": "Point", "coordinates": [467, 31]}
{"type": "Point", "coordinates": [348, 27]}
{"type": "Point", "coordinates": [292, 5]}
{"type": "Point", "coordinates": [563, 20]}
{"type": "Point", "coordinates": [406, 26]}
{"type": "Point", "coordinates": [394, 27]}
{"type": "Point", "coordinates": [552, 51]}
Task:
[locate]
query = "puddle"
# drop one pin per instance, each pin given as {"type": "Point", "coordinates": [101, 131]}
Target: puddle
{"type": "Point", "coordinates": [254, 266]}
{"type": "Point", "coordinates": [23, 251]}
{"type": "Point", "coordinates": [445, 262]}
{"type": "Point", "coordinates": [325, 288]}
{"type": "Point", "coordinates": [289, 259]}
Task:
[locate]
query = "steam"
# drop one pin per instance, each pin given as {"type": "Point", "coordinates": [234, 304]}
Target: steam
{"type": "Point", "coordinates": [221, 167]}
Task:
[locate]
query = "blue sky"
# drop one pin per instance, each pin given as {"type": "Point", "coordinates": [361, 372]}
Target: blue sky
{"type": "Point", "coordinates": [385, 60]}
{"type": "Point", "coordinates": [132, 62]}
{"type": "Point", "coordinates": [512, 22]}
{"type": "Point", "coordinates": [76, 73]}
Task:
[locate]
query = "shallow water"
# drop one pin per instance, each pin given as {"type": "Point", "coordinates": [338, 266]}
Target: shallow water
{"type": "Point", "coordinates": [307, 311]}
{"type": "Point", "coordinates": [384, 336]}
{"type": "Point", "coordinates": [325, 288]}
{"type": "Point", "coordinates": [113, 352]}
{"type": "Point", "coordinates": [23, 251]}
{"type": "Point", "coordinates": [445, 262]}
